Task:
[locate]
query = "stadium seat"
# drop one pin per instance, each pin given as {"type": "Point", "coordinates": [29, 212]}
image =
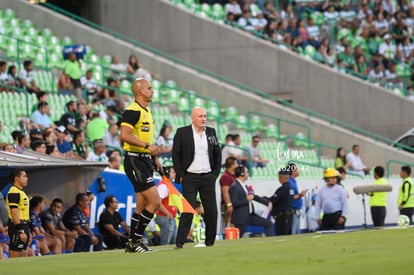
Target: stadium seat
{"type": "Point", "coordinates": [256, 123]}
{"type": "Point", "coordinates": [231, 114]}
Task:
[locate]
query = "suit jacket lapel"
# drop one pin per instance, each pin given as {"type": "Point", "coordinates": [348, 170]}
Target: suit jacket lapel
{"type": "Point", "coordinates": [191, 140]}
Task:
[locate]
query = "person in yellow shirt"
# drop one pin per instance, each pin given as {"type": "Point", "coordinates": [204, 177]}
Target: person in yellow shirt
{"type": "Point", "coordinates": [18, 211]}
{"type": "Point", "coordinates": [406, 193]}
{"type": "Point", "coordinates": [378, 200]}
{"type": "Point", "coordinates": [137, 129]}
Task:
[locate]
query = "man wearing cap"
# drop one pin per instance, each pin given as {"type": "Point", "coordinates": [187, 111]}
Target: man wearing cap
{"type": "Point", "coordinates": [99, 152]}
{"type": "Point", "coordinates": [35, 134]}
{"type": "Point", "coordinates": [387, 49]}
{"type": "Point", "coordinates": [40, 117]}
{"type": "Point", "coordinates": [62, 144]}
{"type": "Point", "coordinates": [282, 201]}
{"type": "Point", "coordinates": [332, 201]}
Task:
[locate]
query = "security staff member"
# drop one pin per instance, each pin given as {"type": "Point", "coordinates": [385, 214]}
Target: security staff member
{"type": "Point", "coordinates": [282, 204]}
{"type": "Point", "coordinates": [406, 193]}
{"type": "Point", "coordinates": [137, 128]}
{"type": "Point", "coordinates": [333, 201]}
{"type": "Point", "coordinates": [18, 211]}
{"type": "Point", "coordinates": [378, 200]}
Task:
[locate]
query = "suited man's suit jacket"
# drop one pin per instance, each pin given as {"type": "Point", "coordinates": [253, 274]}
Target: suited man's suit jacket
{"type": "Point", "coordinates": [183, 150]}
{"type": "Point", "coordinates": [238, 198]}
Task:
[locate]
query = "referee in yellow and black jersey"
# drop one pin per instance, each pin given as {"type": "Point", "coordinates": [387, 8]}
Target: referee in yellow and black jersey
{"type": "Point", "coordinates": [137, 128]}
{"type": "Point", "coordinates": [18, 210]}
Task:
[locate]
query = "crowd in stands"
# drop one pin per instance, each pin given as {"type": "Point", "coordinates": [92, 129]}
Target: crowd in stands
{"type": "Point", "coordinates": [370, 39]}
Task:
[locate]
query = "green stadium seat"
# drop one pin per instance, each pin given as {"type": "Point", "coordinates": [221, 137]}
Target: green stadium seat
{"type": "Point", "coordinates": [9, 14]}
{"type": "Point", "coordinates": [272, 131]}
{"type": "Point", "coordinates": [199, 102]}
{"type": "Point", "coordinates": [242, 122]}
{"type": "Point", "coordinates": [206, 8]}
{"type": "Point", "coordinates": [171, 84]}
{"type": "Point", "coordinates": [256, 123]}
{"type": "Point", "coordinates": [47, 33]}
{"type": "Point", "coordinates": [231, 114]}
{"type": "Point", "coordinates": [106, 60]}
{"type": "Point", "coordinates": [170, 95]}
{"type": "Point", "coordinates": [67, 41]}
{"type": "Point", "coordinates": [218, 10]}
{"type": "Point", "coordinates": [27, 24]}
{"type": "Point", "coordinates": [183, 105]}
{"type": "Point", "coordinates": [213, 109]}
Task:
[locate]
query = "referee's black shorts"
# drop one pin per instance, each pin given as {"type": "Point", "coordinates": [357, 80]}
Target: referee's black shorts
{"type": "Point", "coordinates": [139, 170]}
{"type": "Point", "coordinates": [16, 243]}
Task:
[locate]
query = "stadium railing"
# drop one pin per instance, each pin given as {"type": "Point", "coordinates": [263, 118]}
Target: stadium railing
{"type": "Point", "coordinates": [394, 161]}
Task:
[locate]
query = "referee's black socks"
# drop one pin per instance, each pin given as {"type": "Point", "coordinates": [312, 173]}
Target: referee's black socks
{"type": "Point", "coordinates": [138, 224]}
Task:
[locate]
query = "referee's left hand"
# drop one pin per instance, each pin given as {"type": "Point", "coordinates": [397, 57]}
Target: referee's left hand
{"type": "Point", "coordinates": [154, 149]}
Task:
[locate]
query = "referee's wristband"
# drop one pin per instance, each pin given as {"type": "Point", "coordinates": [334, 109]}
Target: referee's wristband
{"type": "Point", "coordinates": [146, 145]}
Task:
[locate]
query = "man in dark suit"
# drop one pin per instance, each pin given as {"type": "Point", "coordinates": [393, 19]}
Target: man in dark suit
{"type": "Point", "coordinates": [242, 200]}
{"type": "Point", "coordinates": [197, 159]}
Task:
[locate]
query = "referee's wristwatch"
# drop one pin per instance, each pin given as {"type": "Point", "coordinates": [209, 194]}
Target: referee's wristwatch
{"type": "Point", "coordinates": [146, 145]}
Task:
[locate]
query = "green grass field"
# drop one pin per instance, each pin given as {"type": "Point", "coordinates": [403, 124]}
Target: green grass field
{"type": "Point", "coordinates": [389, 251]}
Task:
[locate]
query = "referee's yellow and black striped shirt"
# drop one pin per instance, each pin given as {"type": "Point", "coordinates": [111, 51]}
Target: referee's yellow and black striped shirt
{"type": "Point", "coordinates": [139, 119]}
{"type": "Point", "coordinates": [16, 198]}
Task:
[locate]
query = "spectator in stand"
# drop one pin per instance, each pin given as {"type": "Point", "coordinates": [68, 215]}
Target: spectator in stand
{"type": "Point", "coordinates": [111, 137]}
{"type": "Point", "coordinates": [238, 153]}
{"type": "Point", "coordinates": [4, 78]}
{"type": "Point", "coordinates": [97, 127]}
{"type": "Point", "coordinates": [41, 97]}
{"type": "Point", "coordinates": [259, 23]}
{"type": "Point", "coordinates": [35, 134]}
{"type": "Point", "coordinates": [407, 47]}
{"type": "Point", "coordinates": [257, 160]}
{"type": "Point", "coordinates": [26, 78]}
{"type": "Point", "coordinates": [360, 66]}
{"type": "Point", "coordinates": [109, 223]}
{"type": "Point", "coordinates": [88, 84]}
{"type": "Point", "coordinates": [40, 117]}
{"type": "Point", "coordinates": [234, 8]}
{"type": "Point", "coordinates": [137, 71]}
{"type": "Point", "coordinates": [53, 225]}
{"type": "Point", "coordinates": [348, 17]}
{"type": "Point", "coordinates": [165, 142]}
{"type": "Point", "coordinates": [8, 147]}
{"type": "Point", "coordinates": [118, 70]}
{"type": "Point", "coordinates": [392, 79]}
{"type": "Point", "coordinates": [399, 31]}
{"type": "Point", "coordinates": [99, 152]}
{"type": "Point", "coordinates": [38, 146]}
{"type": "Point", "coordinates": [340, 159]}
{"type": "Point", "coordinates": [227, 151]}
{"type": "Point", "coordinates": [356, 165]}
{"type": "Point", "coordinates": [15, 136]}
{"type": "Point", "coordinates": [75, 219]}
{"type": "Point", "coordinates": [347, 57]}
{"type": "Point", "coordinates": [65, 86]}
{"type": "Point", "coordinates": [49, 136]}
{"type": "Point", "coordinates": [387, 50]}
{"type": "Point", "coordinates": [48, 244]}
{"type": "Point", "coordinates": [377, 75]}
{"type": "Point", "coordinates": [381, 25]}
{"type": "Point", "coordinates": [62, 144]}
{"type": "Point", "coordinates": [80, 146]}
{"type": "Point", "coordinates": [115, 162]}
{"type": "Point", "coordinates": [68, 119]}
{"type": "Point", "coordinates": [167, 213]}
{"type": "Point", "coordinates": [269, 12]}
{"type": "Point", "coordinates": [109, 115]}
{"type": "Point", "coordinates": [12, 75]}
{"type": "Point", "coordinates": [287, 13]}
{"type": "Point", "coordinates": [245, 22]}
{"type": "Point", "coordinates": [24, 143]}
{"type": "Point", "coordinates": [226, 180]}
{"type": "Point", "coordinates": [108, 96]}
{"type": "Point", "coordinates": [73, 68]}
